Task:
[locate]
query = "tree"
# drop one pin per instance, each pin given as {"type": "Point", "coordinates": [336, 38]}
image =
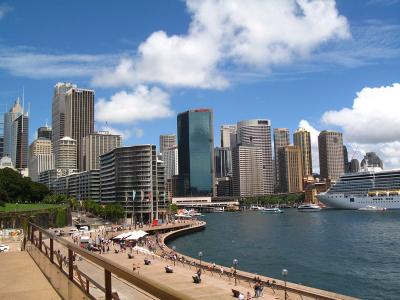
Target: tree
{"type": "Point", "coordinates": [173, 208]}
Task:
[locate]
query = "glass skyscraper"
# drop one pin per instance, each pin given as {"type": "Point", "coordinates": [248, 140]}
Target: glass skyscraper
{"type": "Point", "coordinates": [196, 153]}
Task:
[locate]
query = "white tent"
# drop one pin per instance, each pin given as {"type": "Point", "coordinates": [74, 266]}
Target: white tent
{"type": "Point", "coordinates": [135, 235]}
{"type": "Point", "coordinates": [122, 236]}
{"type": "Point", "coordinates": [142, 250]}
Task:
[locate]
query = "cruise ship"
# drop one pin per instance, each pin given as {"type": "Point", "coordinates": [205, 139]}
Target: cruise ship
{"type": "Point", "coordinates": [367, 188]}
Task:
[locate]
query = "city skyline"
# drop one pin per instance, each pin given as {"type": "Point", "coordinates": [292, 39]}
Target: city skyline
{"type": "Point", "coordinates": [316, 87]}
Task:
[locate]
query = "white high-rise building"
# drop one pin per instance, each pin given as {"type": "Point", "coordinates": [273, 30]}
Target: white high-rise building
{"type": "Point", "coordinates": [9, 131]}
{"type": "Point", "coordinates": [170, 158]}
{"type": "Point", "coordinates": [228, 136]}
{"type": "Point", "coordinates": [167, 141]}
{"type": "Point", "coordinates": [65, 151]}
{"type": "Point", "coordinates": [257, 132]}
{"type": "Point", "coordinates": [40, 163]}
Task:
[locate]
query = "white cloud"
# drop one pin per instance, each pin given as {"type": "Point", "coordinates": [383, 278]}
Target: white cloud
{"type": "Point", "coordinates": [142, 104]}
{"type": "Point", "coordinates": [314, 143]}
{"type": "Point", "coordinates": [373, 118]}
{"type": "Point", "coordinates": [138, 132]}
{"type": "Point", "coordinates": [4, 9]}
{"type": "Point", "coordinates": [124, 133]}
{"type": "Point", "coordinates": [256, 34]}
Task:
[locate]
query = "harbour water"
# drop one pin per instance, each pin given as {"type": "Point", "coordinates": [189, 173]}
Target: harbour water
{"type": "Point", "coordinates": [349, 252]}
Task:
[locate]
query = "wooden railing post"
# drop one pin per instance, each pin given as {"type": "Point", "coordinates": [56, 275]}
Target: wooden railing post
{"type": "Point", "coordinates": [40, 241]}
{"type": "Point", "coordinates": [51, 251]}
{"type": "Point", "coordinates": [70, 265]}
{"type": "Point", "coordinates": [107, 283]}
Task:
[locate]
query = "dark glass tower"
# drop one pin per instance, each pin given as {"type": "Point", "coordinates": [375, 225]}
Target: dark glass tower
{"type": "Point", "coordinates": [196, 153]}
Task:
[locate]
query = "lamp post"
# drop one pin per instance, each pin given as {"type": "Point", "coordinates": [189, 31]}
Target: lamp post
{"type": "Point", "coordinates": [200, 256]}
{"type": "Point", "coordinates": [284, 274]}
{"type": "Point", "coordinates": [235, 263]}
{"type": "Point", "coordinates": [173, 249]}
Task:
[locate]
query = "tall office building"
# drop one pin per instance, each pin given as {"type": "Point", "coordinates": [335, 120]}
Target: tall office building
{"type": "Point", "coordinates": [346, 164]}
{"type": "Point", "coordinates": [170, 158]}
{"type": "Point", "coordinates": [95, 144]}
{"type": "Point", "coordinates": [65, 154]}
{"type": "Point", "coordinates": [228, 136]}
{"type": "Point", "coordinates": [291, 174]}
{"type": "Point", "coordinates": [223, 162]}
{"type": "Point", "coordinates": [167, 141]}
{"type": "Point", "coordinates": [354, 165]}
{"type": "Point", "coordinates": [1, 134]}
{"type": "Point", "coordinates": [371, 160]}
{"type": "Point", "coordinates": [44, 132]}
{"type": "Point", "coordinates": [9, 118]}
{"type": "Point", "coordinates": [196, 153]}
{"type": "Point", "coordinates": [247, 166]}
{"type": "Point", "coordinates": [281, 139]}
{"type": "Point", "coordinates": [20, 142]}
{"type": "Point", "coordinates": [40, 146]}
{"type": "Point", "coordinates": [257, 132]}
{"type": "Point", "coordinates": [133, 177]}
{"type": "Point", "coordinates": [40, 163]}
{"type": "Point", "coordinates": [330, 146]}
{"type": "Point", "coordinates": [58, 110]}
{"type": "Point", "coordinates": [302, 140]}
{"type": "Point", "coordinates": [79, 115]}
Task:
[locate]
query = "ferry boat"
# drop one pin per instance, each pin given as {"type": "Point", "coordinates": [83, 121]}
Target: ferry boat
{"type": "Point", "coordinates": [373, 187]}
{"type": "Point", "coordinates": [272, 210]}
{"type": "Point", "coordinates": [309, 207]}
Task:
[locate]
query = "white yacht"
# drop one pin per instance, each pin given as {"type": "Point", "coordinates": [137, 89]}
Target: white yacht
{"type": "Point", "coordinates": [309, 207]}
{"type": "Point", "coordinates": [367, 188]}
{"type": "Point", "coordinates": [274, 210]}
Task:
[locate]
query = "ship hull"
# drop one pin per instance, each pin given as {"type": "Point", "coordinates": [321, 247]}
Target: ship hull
{"type": "Point", "coordinates": [341, 201]}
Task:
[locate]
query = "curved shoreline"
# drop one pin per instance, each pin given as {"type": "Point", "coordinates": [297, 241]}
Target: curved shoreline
{"type": "Point", "coordinates": [246, 276]}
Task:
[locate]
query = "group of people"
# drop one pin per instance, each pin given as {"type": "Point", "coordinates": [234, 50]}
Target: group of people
{"type": "Point", "coordinates": [258, 287]}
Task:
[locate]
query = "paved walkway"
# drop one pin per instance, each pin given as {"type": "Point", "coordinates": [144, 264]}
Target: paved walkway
{"type": "Point", "coordinates": [21, 278]}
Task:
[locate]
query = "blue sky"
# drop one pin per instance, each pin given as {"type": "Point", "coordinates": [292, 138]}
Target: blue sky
{"type": "Point", "coordinates": [287, 61]}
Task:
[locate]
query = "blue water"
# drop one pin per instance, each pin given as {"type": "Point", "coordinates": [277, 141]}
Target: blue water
{"type": "Point", "coordinates": [350, 252]}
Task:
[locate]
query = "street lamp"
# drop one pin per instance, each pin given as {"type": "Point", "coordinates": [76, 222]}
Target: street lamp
{"type": "Point", "coordinates": [284, 274]}
{"type": "Point", "coordinates": [173, 249]}
{"type": "Point", "coordinates": [200, 256]}
{"type": "Point", "coordinates": [235, 263]}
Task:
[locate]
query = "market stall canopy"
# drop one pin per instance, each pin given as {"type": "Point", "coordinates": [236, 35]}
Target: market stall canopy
{"type": "Point", "coordinates": [135, 235]}
{"type": "Point", "coordinates": [122, 236]}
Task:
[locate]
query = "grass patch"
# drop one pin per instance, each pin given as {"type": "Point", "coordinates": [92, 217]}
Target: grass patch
{"type": "Point", "coordinates": [16, 207]}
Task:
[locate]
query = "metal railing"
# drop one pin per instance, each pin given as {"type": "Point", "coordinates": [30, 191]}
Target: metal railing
{"type": "Point", "coordinates": [35, 238]}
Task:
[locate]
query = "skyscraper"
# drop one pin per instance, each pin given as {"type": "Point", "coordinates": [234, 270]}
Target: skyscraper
{"type": "Point", "coordinates": [170, 158]}
{"type": "Point", "coordinates": [65, 154]}
{"type": "Point", "coordinates": [228, 136]}
{"type": "Point", "coordinates": [79, 115]}
{"type": "Point", "coordinates": [354, 165]}
{"type": "Point", "coordinates": [281, 139]}
{"type": "Point", "coordinates": [247, 166]}
{"type": "Point", "coordinates": [95, 144]}
{"type": "Point", "coordinates": [302, 140]}
{"type": "Point", "coordinates": [58, 110]}
{"type": "Point", "coordinates": [44, 132]}
{"type": "Point", "coordinates": [223, 162]}
{"type": "Point", "coordinates": [9, 118]}
{"type": "Point", "coordinates": [371, 160]}
{"type": "Point", "coordinates": [257, 132]}
{"type": "Point", "coordinates": [1, 134]}
{"type": "Point", "coordinates": [330, 146]}
{"type": "Point", "coordinates": [20, 141]}
{"type": "Point", "coordinates": [291, 174]}
{"type": "Point", "coordinates": [167, 141]}
{"type": "Point", "coordinates": [196, 153]}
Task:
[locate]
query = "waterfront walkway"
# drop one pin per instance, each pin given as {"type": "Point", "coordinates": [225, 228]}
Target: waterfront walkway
{"type": "Point", "coordinates": [20, 278]}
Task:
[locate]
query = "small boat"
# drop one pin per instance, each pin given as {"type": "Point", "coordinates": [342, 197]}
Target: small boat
{"type": "Point", "coordinates": [272, 210]}
{"type": "Point", "coordinates": [254, 207]}
{"type": "Point", "coordinates": [372, 208]}
{"type": "Point", "coordinates": [309, 207]}
{"type": "Point", "coordinates": [218, 209]}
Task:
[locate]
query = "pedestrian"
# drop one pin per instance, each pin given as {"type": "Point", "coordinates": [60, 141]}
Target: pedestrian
{"type": "Point", "coordinates": [248, 297]}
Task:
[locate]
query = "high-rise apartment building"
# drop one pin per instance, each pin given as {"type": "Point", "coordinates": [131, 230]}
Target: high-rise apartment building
{"type": "Point", "coordinates": [228, 136]}
{"type": "Point", "coordinates": [44, 132]}
{"type": "Point", "coordinates": [95, 144]}
{"type": "Point", "coordinates": [58, 109]}
{"type": "Point", "coordinates": [281, 139]}
{"type": "Point", "coordinates": [196, 153]}
{"type": "Point", "coordinates": [170, 158]}
{"type": "Point", "coordinates": [223, 162]}
{"type": "Point", "coordinates": [9, 133]}
{"type": "Point", "coordinates": [330, 146]}
{"type": "Point", "coordinates": [257, 132]}
{"type": "Point", "coordinates": [65, 154]}
{"type": "Point", "coordinates": [167, 141]}
{"type": "Point", "coordinates": [291, 174]}
{"type": "Point", "coordinates": [20, 142]}
{"type": "Point", "coordinates": [247, 166]}
{"type": "Point", "coordinates": [302, 140]}
{"type": "Point", "coordinates": [133, 177]}
{"type": "Point", "coordinates": [79, 115]}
